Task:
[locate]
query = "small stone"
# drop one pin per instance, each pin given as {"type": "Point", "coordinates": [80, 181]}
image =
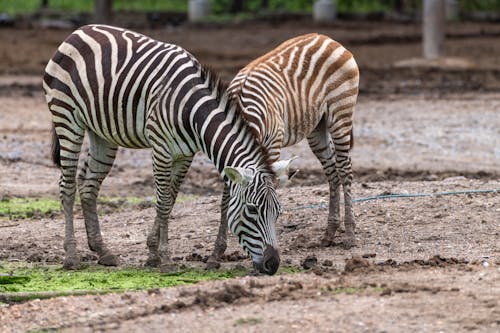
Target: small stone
{"type": "Point", "coordinates": [310, 262]}
{"type": "Point", "coordinates": [154, 291]}
{"type": "Point", "coordinates": [328, 263]}
{"type": "Point", "coordinates": [355, 263]}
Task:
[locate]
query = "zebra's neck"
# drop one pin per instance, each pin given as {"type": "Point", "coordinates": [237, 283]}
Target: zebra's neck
{"type": "Point", "coordinates": [226, 138]}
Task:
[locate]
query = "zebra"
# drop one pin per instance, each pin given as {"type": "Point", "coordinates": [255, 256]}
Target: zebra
{"type": "Point", "coordinates": [126, 89]}
{"type": "Point", "coordinates": [307, 87]}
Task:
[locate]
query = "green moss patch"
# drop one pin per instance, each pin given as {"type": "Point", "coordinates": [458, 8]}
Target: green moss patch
{"type": "Point", "coordinates": [17, 208]}
{"type": "Point", "coordinates": [247, 321]}
{"type": "Point", "coordinates": [27, 208]}
{"type": "Point", "coordinates": [43, 281]}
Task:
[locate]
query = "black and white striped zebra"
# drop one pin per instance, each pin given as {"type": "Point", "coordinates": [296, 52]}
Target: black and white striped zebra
{"type": "Point", "coordinates": [126, 89]}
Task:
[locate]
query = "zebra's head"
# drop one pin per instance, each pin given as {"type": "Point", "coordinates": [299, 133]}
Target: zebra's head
{"type": "Point", "coordinates": [252, 213]}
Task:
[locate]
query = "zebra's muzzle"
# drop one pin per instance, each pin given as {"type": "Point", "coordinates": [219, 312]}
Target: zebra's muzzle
{"type": "Point", "coordinates": [270, 261]}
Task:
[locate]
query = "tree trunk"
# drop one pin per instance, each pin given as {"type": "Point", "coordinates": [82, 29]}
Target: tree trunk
{"type": "Point", "coordinates": [102, 11]}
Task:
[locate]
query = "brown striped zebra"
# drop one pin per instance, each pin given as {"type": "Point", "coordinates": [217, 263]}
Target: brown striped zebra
{"type": "Point", "coordinates": [305, 88]}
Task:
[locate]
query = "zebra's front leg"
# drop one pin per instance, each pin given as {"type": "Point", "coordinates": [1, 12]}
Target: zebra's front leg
{"type": "Point", "coordinates": [152, 242]}
{"type": "Point", "coordinates": [71, 258]}
{"type": "Point", "coordinates": [168, 175]}
{"type": "Point", "coordinates": [94, 237]}
{"type": "Point", "coordinates": [99, 162]}
{"type": "Point", "coordinates": [221, 241]}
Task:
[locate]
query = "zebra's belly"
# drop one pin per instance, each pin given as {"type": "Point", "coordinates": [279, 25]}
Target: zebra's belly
{"type": "Point", "coordinates": [298, 129]}
{"type": "Point", "coordinates": [127, 139]}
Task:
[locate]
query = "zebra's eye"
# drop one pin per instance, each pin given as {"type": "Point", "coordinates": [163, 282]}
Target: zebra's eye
{"type": "Point", "coordinates": [252, 209]}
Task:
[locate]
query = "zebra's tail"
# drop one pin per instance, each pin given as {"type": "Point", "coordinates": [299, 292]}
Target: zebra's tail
{"type": "Point", "coordinates": [56, 148]}
{"type": "Point", "coordinates": [351, 142]}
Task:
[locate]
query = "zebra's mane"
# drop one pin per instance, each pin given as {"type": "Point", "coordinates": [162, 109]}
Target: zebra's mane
{"type": "Point", "coordinates": [217, 84]}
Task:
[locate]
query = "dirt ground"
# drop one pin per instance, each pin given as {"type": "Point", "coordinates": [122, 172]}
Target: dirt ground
{"type": "Point", "coordinates": [426, 264]}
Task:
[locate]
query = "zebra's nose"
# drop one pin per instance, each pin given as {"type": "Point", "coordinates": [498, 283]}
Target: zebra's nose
{"type": "Point", "coordinates": [271, 261]}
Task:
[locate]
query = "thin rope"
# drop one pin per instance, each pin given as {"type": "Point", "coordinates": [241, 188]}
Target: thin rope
{"type": "Point", "coordinates": [398, 196]}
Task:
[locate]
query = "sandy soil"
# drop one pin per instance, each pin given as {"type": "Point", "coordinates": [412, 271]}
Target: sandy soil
{"type": "Point", "coordinates": [423, 264]}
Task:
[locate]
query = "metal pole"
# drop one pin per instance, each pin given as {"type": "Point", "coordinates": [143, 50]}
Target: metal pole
{"type": "Point", "coordinates": [434, 18]}
{"type": "Point", "coordinates": [324, 11]}
{"type": "Point", "coordinates": [198, 10]}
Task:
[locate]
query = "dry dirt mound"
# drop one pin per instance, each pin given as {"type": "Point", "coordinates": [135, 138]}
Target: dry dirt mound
{"type": "Point", "coordinates": [311, 302]}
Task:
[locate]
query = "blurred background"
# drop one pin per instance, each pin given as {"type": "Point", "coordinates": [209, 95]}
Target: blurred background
{"type": "Point", "coordinates": [227, 34]}
{"type": "Point", "coordinates": [428, 106]}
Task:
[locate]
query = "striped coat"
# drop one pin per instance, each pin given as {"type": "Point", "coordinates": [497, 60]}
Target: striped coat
{"type": "Point", "coordinates": [306, 88]}
{"type": "Point", "coordinates": [126, 89]}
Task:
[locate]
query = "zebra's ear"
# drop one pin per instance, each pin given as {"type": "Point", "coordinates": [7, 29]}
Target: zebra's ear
{"type": "Point", "coordinates": [283, 172]}
{"type": "Point", "coordinates": [240, 176]}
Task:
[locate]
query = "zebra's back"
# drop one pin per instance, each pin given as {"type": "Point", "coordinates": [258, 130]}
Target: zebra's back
{"type": "Point", "coordinates": [287, 91]}
{"type": "Point", "coordinates": [108, 80]}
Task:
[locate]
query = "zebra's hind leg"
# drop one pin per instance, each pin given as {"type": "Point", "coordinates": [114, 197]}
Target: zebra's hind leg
{"type": "Point", "coordinates": [70, 143]}
{"type": "Point", "coordinates": [97, 166]}
{"type": "Point", "coordinates": [168, 175]}
{"type": "Point", "coordinates": [343, 145]}
{"type": "Point", "coordinates": [221, 241]}
{"type": "Point", "coordinates": [321, 145]}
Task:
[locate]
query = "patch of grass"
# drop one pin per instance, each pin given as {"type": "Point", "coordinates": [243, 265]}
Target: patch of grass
{"type": "Point", "coordinates": [25, 208]}
{"type": "Point", "coordinates": [348, 290]}
{"type": "Point", "coordinates": [289, 269]}
{"type": "Point", "coordinates": [97, 279]}
{"type": "Point", "coordinates": [17, 208]}
{"type": "Point", "coordinates": [247, 321]}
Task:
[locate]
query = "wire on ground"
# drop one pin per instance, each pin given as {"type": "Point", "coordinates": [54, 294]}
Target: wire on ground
{"type": "Point", "coordinates": [399, 196]}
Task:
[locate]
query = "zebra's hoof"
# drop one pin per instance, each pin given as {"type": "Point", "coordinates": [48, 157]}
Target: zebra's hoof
{"type": "Point", "coordinates": [348, 243]}
{"type": "Point", "coordinates": [72, 263]}
{"type": "Point", "coordinates": [109, 260]}
{"type": "Point", "coordinates": [168, 268]}
{"type": "Point", "coordinates": [152, 262]}
{"type": "Point", "coordinates": [212, 265]}
{"type": "Point", "coordinates": [326, 242]}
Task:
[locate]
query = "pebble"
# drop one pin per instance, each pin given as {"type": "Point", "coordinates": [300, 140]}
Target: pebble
{"type": "Point", "coordinates": [310, 262]}
{"type": "Point", "coordinates": [328, 263]}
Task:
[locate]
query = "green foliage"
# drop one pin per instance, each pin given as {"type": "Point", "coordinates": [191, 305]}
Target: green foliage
{"type": "Point", "coordinates": [29, 6]}
{"type": "Point", "coordinates": [18, 7]}
{"type": "Point", "coordinates": [17, 208]}
{"type": "Point", "coordinates": [52, 278]}
{"type": "Point", "coordinates": [247, 321]}
{"type": "Point", "coordinates": [223, 6]}
{"type": "Point", "coordinates": [484, 5]}
{"type": "Point", "coordinates": [151, 5]}
{"type": "Point", "coordinates": [363, 6]}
